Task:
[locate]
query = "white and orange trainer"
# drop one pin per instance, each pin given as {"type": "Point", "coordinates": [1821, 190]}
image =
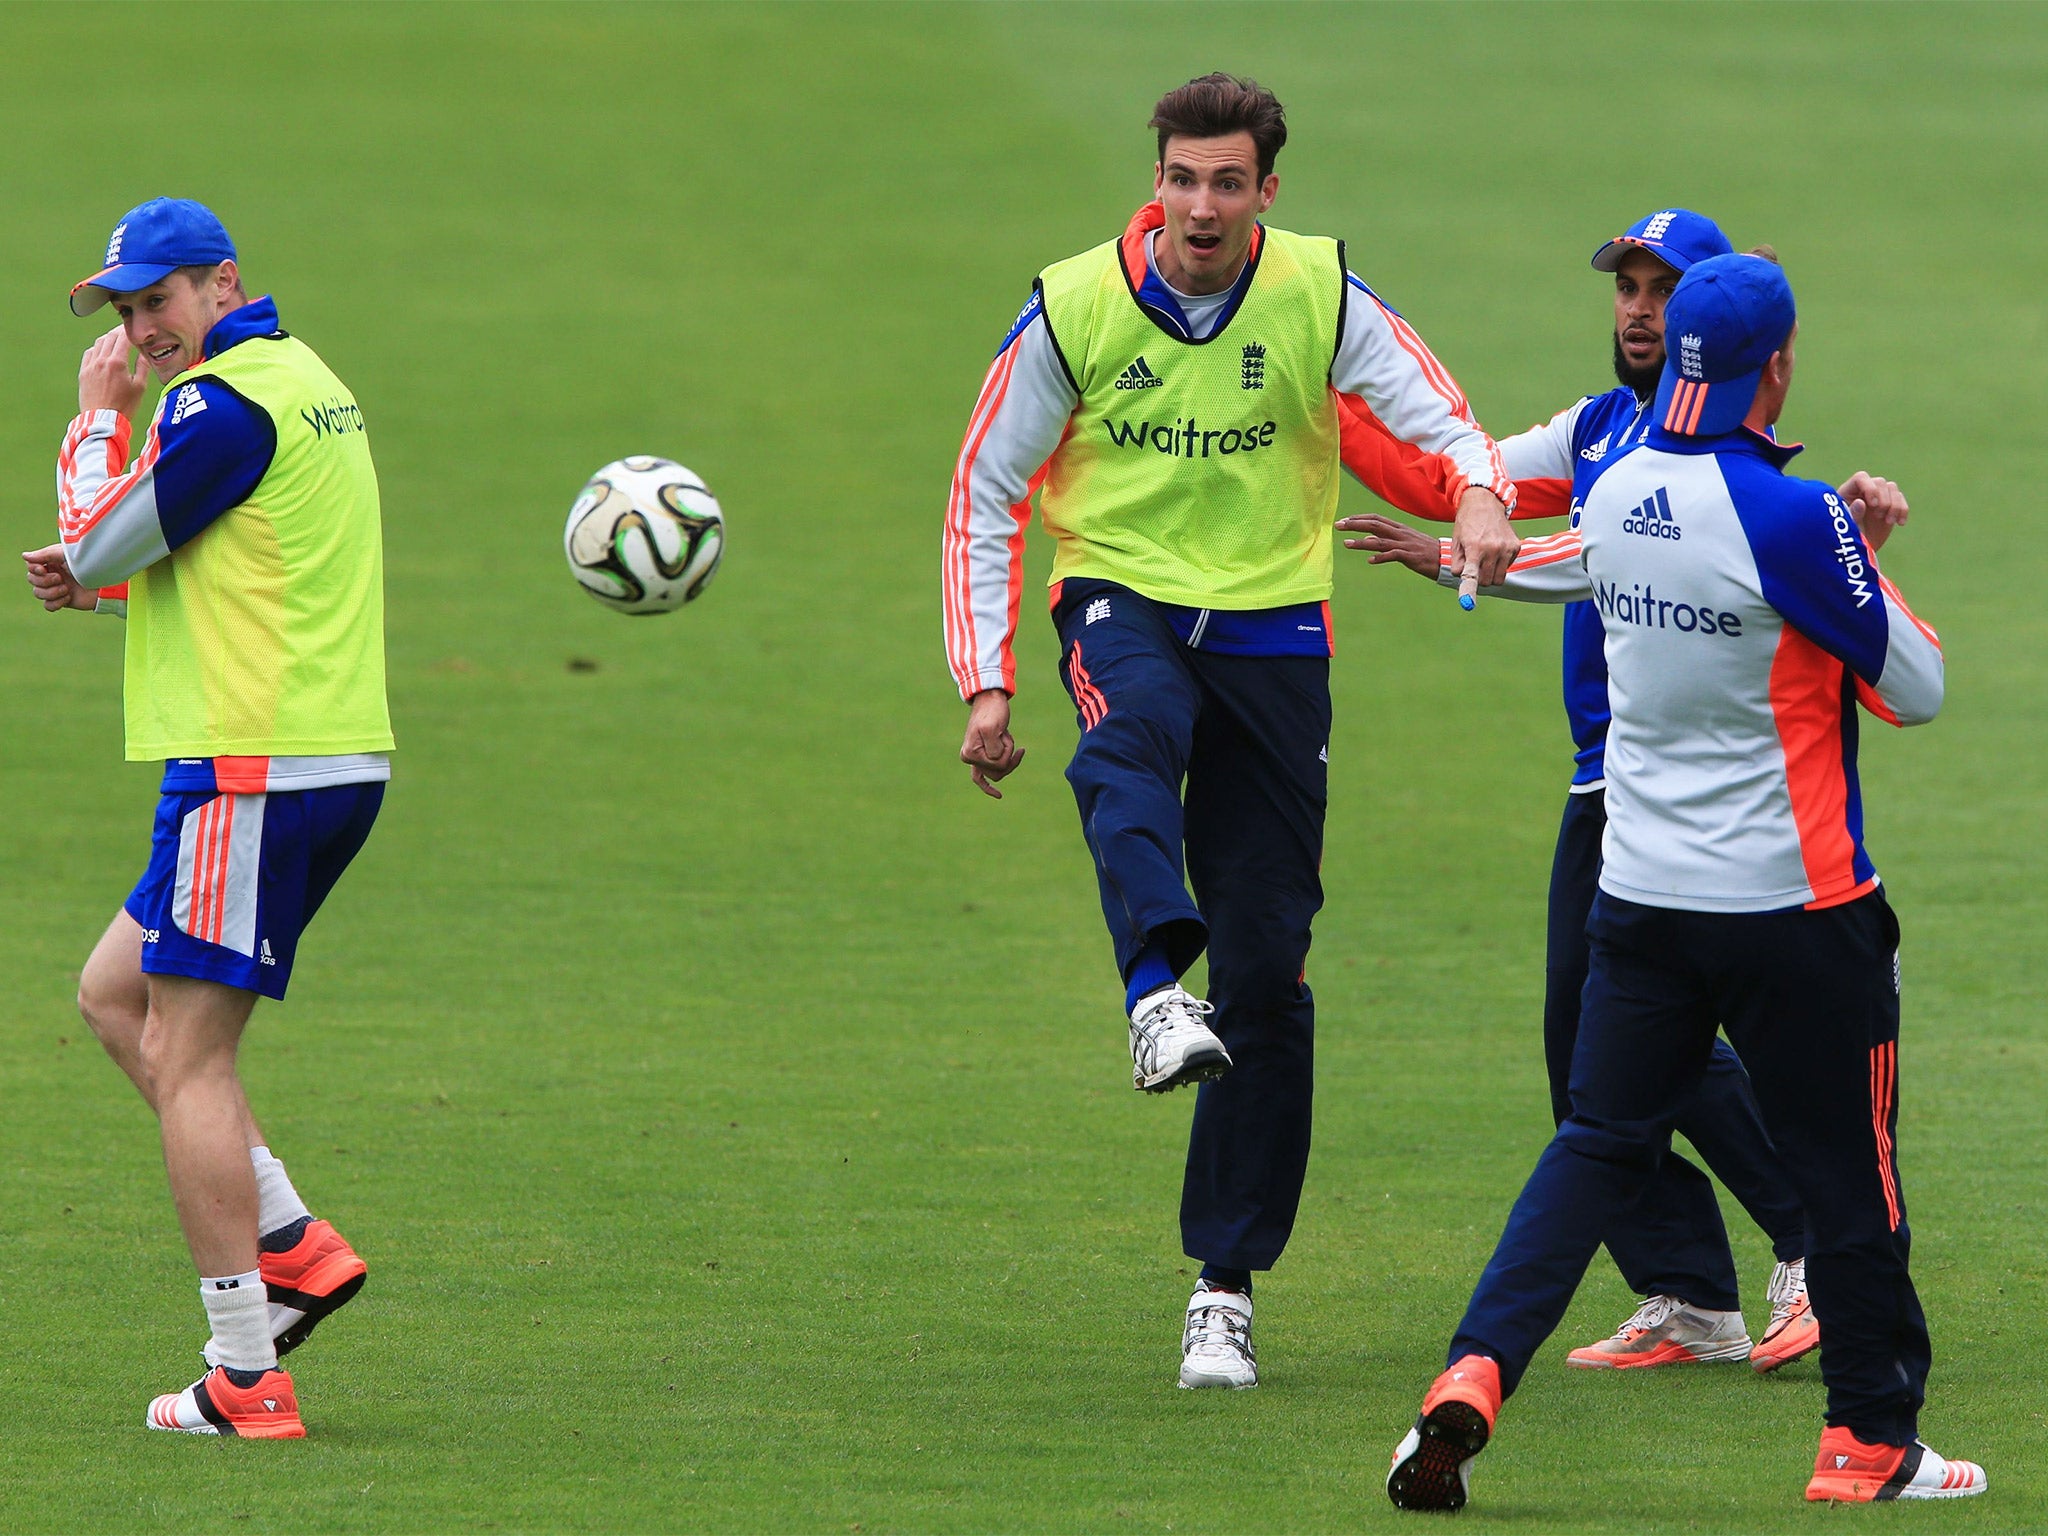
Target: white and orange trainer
{"type": "Point", "coordinates": [252, 1405]}
{"type": "Point", "coordinates": [1853, 1472]}
{"type": "Point", "coordinates": [1794, 1330]}
{"type": "Point", "coordinates": [311, 1280]}
{"type": "Point", "coordinates": [1667, 1331]}
{"type": "Point", "coordinates": [314, 1278]}
{"type": "Point", "coordinates": [1433, 1464]}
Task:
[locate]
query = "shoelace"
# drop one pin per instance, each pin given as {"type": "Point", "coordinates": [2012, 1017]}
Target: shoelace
{"type": "Point", "coordinates": [1225, 1326]}
{"type": "Point", "coordinates": [1174, 1008]}
{"type": "Point", "coordinates": [1648, 1316]}
{"type": "Point", "coordinates": [1786, 1290]}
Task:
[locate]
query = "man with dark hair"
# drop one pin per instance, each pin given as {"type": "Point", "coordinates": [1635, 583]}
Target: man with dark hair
{"type": "Point", "coordinates": [1745, 620]}
{"type": "Point", "coordinates": [1672, 1248]}
{"type": "Point", "coordinates": [1175, 394]}
{"type": "Point", "coordinates": [1218, 105]}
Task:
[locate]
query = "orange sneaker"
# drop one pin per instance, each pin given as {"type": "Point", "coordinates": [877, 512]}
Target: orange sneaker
{"type": "Point", "coordinates": [1856, 1473]}
{"type": "Point", "coordinates": [266, 1409]}
{"type": "Point", "coordinates": [1667, 1331]}
{"type": "Point", "coordinates": [1433, 1465]}
{"type": "Point", "coordinates": [314, 1278]}
{"type": "Point", "coordinates": [1794, 1330]}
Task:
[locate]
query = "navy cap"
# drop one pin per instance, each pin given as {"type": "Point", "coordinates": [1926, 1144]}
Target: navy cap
{"type": "Point", "coordinates": [1678, 237]}
{"type": "Point", "coordinates": [149, 244]}
{"type": "Point", "coordinates": [1725, 319]}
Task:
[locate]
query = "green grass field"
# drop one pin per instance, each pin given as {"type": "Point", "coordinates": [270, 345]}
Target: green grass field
{"type": "Point", "coordinates": [731, 1104]}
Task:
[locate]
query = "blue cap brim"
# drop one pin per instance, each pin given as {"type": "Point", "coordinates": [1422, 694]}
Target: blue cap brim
{"type": "Point", "coordinates": [132, 277]}
{"type": "Point", "coordinates": [1608, 258]}
{"type": "Point", "coordinates": [1693, 408]}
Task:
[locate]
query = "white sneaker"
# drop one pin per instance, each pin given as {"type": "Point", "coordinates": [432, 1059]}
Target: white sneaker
{"type": "Point", "coordinates": [1216, 1348]}
{"type": "Point", "coordinates": [1667, 1331]}
{"type": "Point", "coordinates": [1170, 1044]}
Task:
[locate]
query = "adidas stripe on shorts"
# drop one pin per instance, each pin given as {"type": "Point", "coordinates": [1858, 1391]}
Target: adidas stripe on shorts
{"type": "Point", "coordinates": [234, 879]}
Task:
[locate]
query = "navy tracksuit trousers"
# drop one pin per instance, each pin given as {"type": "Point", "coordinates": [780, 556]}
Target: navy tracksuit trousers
{"type": "Point", "coordinates": [1811, 1001]}
{"type": "Point", "coordinates": [1249, 736]}
{"type": "Point", "coordinates": [1673, 1243]}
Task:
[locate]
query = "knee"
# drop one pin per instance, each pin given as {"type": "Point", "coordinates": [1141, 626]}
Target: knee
{"type": "Point", "coordinates": [110, 1010]}
{"type": "Point", "coordinates": [1633, 1145]}
{"type": "Point", "coordinates": [1261, 961]}
{"type": "Point", "coordinates": [152, 1046]}
{"type": "Point", "coordinates": [164, 1054]}
{"type": "Point", "coordinates": [184, 1046]}
{"type": "Point", "coordinates": [1257, 982]}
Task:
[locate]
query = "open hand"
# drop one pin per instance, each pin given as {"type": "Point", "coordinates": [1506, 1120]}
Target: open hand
{"type": "Point", "coordinates": [1388, 540]}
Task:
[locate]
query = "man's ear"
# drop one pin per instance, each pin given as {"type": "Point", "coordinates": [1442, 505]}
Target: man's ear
{"type": "Point", "coordinates": [1268, 190]}
{"type": "Point", "coordinates": [1158, 177]}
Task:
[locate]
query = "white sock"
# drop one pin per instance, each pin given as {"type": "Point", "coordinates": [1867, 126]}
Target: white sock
{"type": "Point", "coordinates": [239, 1309]}
{"type": "Point", "coordinates": [277, 1204]}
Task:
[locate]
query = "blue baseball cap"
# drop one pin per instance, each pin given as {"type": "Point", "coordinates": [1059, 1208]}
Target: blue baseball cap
{"type": "Point", "coordinates": [149, 244]}
{"type": "Point", "coordinates": [1725, 319]}
{"type": "Point", "coordinates": [1678, 237]}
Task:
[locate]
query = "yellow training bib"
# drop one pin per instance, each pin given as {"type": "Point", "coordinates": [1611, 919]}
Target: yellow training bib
{"type": "Point", "coordinates": [1201, 473]}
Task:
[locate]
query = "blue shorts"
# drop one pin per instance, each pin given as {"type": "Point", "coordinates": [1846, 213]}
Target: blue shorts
{"type": "Point", "coordinates": [234, 879]}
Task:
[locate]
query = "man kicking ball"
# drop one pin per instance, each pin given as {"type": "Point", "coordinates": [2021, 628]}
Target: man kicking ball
{"type": "Point", "coordinates": [1174, 392]}
{"type": "Point", "coordinates": [243, 545]}
{"type": "Point", "coordinates": [1745, 618]}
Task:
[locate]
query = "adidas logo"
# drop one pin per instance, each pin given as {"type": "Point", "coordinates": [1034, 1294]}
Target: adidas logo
{"type": "Point", "coordinates": [270, 1405]}
{"type": "Point", "coordinates": [1653, 519]}
{"type": "Point", "coordinates": [267, 956]}
{"type": "Point", "coordinates": [1841, 1462]}
{"type": "Point", "coordinates": [189, 403]}
{"type": "Point", "coordinates": [1138, 376]}
{"type": "Point", "coordinates": [1597, 452]}
{"type": "Point", "coordinates": [114, 246]}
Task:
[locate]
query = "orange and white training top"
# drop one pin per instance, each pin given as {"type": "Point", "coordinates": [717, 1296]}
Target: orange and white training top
{"type": "Point", "coordinates": [1745, 620]}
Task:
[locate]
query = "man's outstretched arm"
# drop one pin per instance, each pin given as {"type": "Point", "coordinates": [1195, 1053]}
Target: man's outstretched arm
{"type": "Point", "coordinates": [1387, 379]}
{"type": "Point", "coordinates": [1546, 570]}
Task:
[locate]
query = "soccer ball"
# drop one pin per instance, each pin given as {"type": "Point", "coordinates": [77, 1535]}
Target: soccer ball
{"type": "Point", "coordinates": [645, 536]}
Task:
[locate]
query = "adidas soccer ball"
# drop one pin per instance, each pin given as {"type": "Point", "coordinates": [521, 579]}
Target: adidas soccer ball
{"type": "Point", "coordinates": [645, 536]}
